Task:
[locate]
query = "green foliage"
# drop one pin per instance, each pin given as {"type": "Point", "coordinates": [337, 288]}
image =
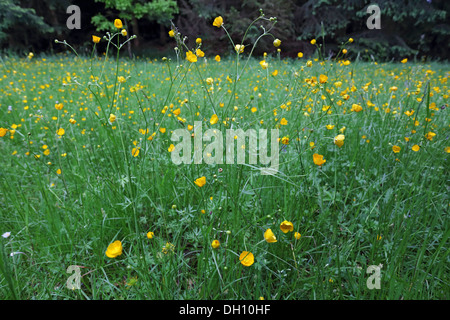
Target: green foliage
{"type": "Point", "coordinates": [160, 11]}
{"type": "Point", "coordinates": [363, 207]}
{"type": "Point", "coordinates": [408, 28]}
{"type": "Point", "coordinates": [414, 29]}
{"type": "Point", "coordinates": [15, 20]}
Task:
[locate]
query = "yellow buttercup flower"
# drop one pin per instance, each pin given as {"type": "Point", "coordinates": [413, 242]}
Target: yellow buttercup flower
{"type": "Point", "coordinates": [135, 152]}
{"type": "Point", "coordinates": [215, 244]}
{"type": "Point", "coordinates": [300, 54]}
{"type": "Point", "coordinates": [198, 40]}
{"type": "Point", "coordinates": [396, 149]}
{"type": "Point", "coordinates": [339, 140]}
{"type": "Point", "coordinates": [239, 48]}
{"type": "Point", "coordinates": [112, 118]}
{"type": "Point", "coordinates": [191, 57]}
{"type": "Point", "coordinates": [356, 107]}
{"type": "Point", "coordinates": [118, 24]}
{"type": "Point", "coordinates": [264, 64]}
{"type": "Point", "coordinates": [313, 41]}
{"type": "Point", "coordinates": [218, 22]}
{"type": "Point", "coordinates": [3, 132]}
{"type": "Point", "coordinates": [150, 235]}
{"type": "Point", "coordinates": [171, 33]}
{"type": "Point", "coordinates": [59, 106]}
{"type": "Point", "coordinates": [199, 53]}
{"type": "Point", "coordinates": [269, 236]}
{"type": "Point", "coordinates": [214, 119]}
{"type": "Point", "coordinates": [171, 148]}
{"type": "Point", "coordinates": [96, 39]}
{"type": "Point", "coordinates": [430, 135]}
{"type": "Point", "coordinates": [415, 148]}
{"type": "Point", "coordinates": [318, 159]}
{"type": "Point", "coordinates": [121, 79]}
{"type": "Point", "coordinates": [114, 249]}
{"type": "Point", "coordinates": [323, 78]}
{"type": "Point", "coordinates": [124, 32]}
{"type": "Point", "coordinates": [200, 182]}
{"type": "Point", "coordinates": [404, 60]}
{"type": "Point", "coordinates": [297, 235]}
{"type": "Point", "coordinates": [246, 258]}
{"type": "Point", "coordinates": [60, 132]}
{"type": "Point", "coordinates": [277, 42]}
{"type": "Point", "coordinates": [217, 58]}
{"type": "Point", "coordinates": [286, 226]}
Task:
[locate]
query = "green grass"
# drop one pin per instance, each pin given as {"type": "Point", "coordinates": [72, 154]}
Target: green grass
{"type": "Point", "coordinates": [366, 205]}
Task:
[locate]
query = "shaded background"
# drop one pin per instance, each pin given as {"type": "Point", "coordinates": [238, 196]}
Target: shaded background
{"type": "Point", "coordinates": [417, 29]}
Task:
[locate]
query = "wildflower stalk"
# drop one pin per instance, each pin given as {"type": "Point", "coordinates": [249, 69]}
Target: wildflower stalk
{"type": "Point", "coordinates": [265, 33]}
{"type": "Point", "coordinates": [116, 74]}
{"type": "Point", "coordinates": [239, 75]}
{"type": "Point", "coordinates": [106, 58]}
{"type": "Point", "coordinates": [145, 156]}
{"type": "Point", "coordinates": [7, 272]}
{"type": "Point", "coordinates": [206, 88]}
{"type": "Point", "coordinates": [68, 45]}
{"type": "Point", "coordinates": [323, 42]}
{"type": "Point", "coordinates": [427, 107]}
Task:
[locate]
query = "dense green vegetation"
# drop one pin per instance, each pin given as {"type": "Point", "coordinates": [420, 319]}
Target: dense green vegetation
{"type": "Point", "coordinates": [87, 176]}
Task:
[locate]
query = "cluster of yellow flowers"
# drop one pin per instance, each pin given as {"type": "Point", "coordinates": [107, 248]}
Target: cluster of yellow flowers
{"type": "Point", "coordinates": [320, 84]}
{"type": "Point", "coordinates": [247, 258]}
{"type": "Point", "coordinates": [193, 55]}
{"type": "Point", "coordinates": [118, 24]}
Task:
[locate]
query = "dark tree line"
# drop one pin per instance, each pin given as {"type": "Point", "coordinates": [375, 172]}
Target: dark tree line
{"type": "Point", "coordinates": [409, 28]}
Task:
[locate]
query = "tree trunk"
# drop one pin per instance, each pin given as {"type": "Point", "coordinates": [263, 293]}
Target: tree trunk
{"type": "Point", "coordinates": [162, 34]}
{"type": "Point", "coordinates": [134, 24]}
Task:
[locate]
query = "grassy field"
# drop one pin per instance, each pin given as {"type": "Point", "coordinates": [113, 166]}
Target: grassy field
{"type": "Point", "coordinates": [86, 161]}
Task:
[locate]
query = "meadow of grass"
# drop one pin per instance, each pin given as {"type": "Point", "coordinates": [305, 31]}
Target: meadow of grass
{"type": "Point", "coordinates": [86, 161]}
